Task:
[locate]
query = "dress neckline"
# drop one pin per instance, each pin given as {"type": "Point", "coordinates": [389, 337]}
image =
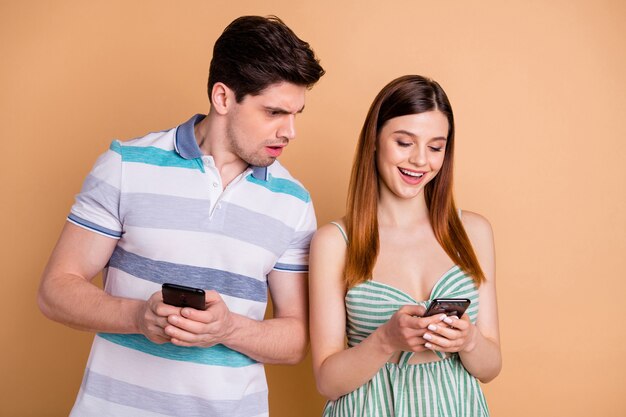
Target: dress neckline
{"type": "Point", "coordinates": [405, 294]}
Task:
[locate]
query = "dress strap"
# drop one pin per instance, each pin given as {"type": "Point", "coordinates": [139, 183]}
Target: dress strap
{"type": "Point", "coordinates": [343, 232]}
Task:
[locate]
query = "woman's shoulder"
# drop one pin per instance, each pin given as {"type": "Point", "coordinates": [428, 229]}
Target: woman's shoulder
{"type": "Point", "coordinates": [332, 233]}
{"type": "Point", "coordinates": [477, 227]}
{"type": "Point", "coordinates": [329, 246]}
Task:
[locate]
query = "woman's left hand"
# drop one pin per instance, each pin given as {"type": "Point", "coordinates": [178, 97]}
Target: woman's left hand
{"type": "Point", "coordinates": [451, 335]}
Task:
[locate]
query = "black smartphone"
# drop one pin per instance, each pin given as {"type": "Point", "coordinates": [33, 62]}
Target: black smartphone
{"type": "Point", "coordinates": [182, 296]}
{"type": "Point", "coordinates": [447, 306]}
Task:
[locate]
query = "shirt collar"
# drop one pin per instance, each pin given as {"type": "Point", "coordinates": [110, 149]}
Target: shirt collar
{"type": "Point", "coordinates": [187, 146]}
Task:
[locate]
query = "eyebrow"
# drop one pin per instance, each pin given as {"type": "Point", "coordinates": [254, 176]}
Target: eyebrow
{"type": "Point", "coordinates": [413, 135]}
{"type": "Point", "coordinates": [281, 110]}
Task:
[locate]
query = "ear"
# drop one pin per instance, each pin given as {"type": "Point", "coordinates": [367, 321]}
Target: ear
{"type": "Point", "coordinates": [222, 98]}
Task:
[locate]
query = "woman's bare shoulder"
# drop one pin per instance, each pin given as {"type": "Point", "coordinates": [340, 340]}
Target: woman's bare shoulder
{"type": "Point", "coordinates": [476, 224]}
{"type": "Point", "coordinates": [331, 234]}
{"type": "Point", "coordinates": [479, 232]}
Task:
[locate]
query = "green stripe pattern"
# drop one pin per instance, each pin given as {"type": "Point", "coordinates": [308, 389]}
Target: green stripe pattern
{"type": "Point", "coordinates": [443, 388]}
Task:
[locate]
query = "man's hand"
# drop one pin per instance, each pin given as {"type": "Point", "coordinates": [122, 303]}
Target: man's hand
{"type": "Point", "coordinates": [191, 327]}
{"type": "Point", "coordinates": [152, 318]}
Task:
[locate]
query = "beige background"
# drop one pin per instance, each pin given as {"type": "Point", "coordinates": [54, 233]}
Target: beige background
{"type": "Point", "coordinates": [538, 90]}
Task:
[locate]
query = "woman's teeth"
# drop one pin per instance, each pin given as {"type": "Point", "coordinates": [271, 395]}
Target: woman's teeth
{"type": "Point", "coordinates": [411, 173]}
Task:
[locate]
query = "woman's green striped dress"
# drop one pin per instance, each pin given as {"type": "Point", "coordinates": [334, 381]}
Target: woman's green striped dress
{"type": "Point", "coordinates": [442, 388]}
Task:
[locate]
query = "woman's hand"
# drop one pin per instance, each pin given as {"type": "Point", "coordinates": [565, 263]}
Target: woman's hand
{"type": "Point", "coordinates": [451, 335]}
{"type": "Point", "coordinates": [405, 330]}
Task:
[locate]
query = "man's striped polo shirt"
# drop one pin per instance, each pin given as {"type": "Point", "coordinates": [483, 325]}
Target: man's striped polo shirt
{"type": "Point", "coordinates": [165, 203]}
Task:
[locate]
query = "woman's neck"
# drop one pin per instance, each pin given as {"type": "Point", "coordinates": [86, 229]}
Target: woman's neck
{"type": "Point", "coordinates": [394, 211]}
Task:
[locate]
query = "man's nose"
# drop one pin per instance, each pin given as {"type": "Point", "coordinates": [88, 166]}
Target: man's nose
{"type": "Point", "coordinates": [288, 127]}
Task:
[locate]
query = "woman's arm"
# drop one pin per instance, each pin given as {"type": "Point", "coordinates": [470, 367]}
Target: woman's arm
{"type": "Point", "coordinates": [339, 370]}
{"type": "Point", "coordinates": [478, 345]}
{"type": "Point", "coordinates": [483, 358]}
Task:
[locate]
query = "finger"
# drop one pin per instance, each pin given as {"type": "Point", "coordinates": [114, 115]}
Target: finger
{"type": "Point", "coordinates": [424, 322]}
{"type": "Point", "coordinates": [439, 348]}
{"type": "Point", "coordinates": [181, 343]}
{"type": "Point", "coordinates": [177, 333]}
{"type": "Point", "coordinates": [421, 348]}
{"type": "Point", "coordinates": [160, 339]}
{"type": "Point", "coordinates": [435, 342]}
{"type": "Point", "coordinates": [445, 331]}
{"type": "Point", "coordinates": [163, 310]}
{"type": "Point", "coordinates": [455, 322]}
{"type": "Point", "coordinates": [189, 325]}
{"type": "Point", "coordinates": [156, 334]}
{"type": "Point", "coordinates": [212, 297]}
{"type": "Point", "coordinates": [204, 316]}
{"type": "Point", "coordinates": [178, 342]}
{"type": "Point", "coordinates": [445, 344]}
{"type": "Point", "coordinates": [160, 322]}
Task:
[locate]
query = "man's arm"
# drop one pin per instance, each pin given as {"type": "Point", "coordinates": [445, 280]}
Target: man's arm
{"type": "Point", "coordinates": [280, 340]}
{"type": "Point", "coordinates": [67, 294]}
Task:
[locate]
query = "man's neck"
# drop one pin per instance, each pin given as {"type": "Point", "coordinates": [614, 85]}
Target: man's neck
{"type": "Point", "coordinates": [211, 139]}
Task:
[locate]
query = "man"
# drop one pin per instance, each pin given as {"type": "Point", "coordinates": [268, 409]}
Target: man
{"type": "Point", "coordinates": [205, 205]}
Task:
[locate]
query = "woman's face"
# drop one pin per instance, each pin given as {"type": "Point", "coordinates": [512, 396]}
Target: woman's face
{"type": "Point", "coordinates": [410, 151]}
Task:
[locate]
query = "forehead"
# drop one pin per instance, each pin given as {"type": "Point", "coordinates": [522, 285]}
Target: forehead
{"type": "Point", "coordinates": [280, 96]}
{"type": "Point", "coordinates": [427, 125]}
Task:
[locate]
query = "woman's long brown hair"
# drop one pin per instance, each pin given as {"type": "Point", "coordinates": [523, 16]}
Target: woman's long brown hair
{"type": "Point", "coordinates": [410, 94]}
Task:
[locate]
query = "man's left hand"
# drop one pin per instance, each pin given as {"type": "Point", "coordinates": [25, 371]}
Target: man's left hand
{"type": "Point", "coordinates": [202, 328]}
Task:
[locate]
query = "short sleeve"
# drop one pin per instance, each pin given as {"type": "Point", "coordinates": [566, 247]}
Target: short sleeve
{"type": "Point", "coordinates": [96, 207]}
{"type": "Point", "coordinates": [296, 257]}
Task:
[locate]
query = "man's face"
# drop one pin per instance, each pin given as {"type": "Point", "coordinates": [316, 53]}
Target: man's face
{"type": "Point", "coordinates": [260, 126]}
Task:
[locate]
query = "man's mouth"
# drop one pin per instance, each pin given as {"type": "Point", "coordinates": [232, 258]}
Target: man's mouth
{"type": "Point", "coordinates": [275, 150]}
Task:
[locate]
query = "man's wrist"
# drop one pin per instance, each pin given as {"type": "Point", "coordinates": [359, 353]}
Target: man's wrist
{"type": "Point", "coordinates": [233, 323]}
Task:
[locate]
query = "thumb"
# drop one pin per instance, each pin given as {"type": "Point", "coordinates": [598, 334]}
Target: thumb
{"type": "Point", "coordinates": [413, 310]}
{"type": "Point", "coordinates": [212, 297]}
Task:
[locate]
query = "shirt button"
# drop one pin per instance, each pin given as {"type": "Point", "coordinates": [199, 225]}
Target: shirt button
{"type": "Point", "coordinates": [215, 184]}
{"type": "Point", "coordinates": [219, 206]}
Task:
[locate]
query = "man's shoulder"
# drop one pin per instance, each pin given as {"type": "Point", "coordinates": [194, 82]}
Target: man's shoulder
{"type": "Point", "coordinates": [163, 139]}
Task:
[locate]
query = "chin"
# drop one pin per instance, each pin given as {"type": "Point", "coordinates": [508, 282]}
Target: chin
{"type": "Point", "coordinates": [410, 193]}
{"type": "Point", "coordinates": [260, 162]}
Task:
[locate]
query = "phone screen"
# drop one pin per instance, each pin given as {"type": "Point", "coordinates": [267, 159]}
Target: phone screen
{"type": "Point", "coordinates": [183, 296]}
{"type": "Point", "coordinates": [447, 306]}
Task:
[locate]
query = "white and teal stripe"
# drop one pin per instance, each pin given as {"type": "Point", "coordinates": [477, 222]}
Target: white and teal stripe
{"type": "Point", "coordinates": [164, 202]}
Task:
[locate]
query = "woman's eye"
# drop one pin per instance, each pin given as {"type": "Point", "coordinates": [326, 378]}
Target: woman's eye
{"type": "Point", "coordinates": [436, 149]}
{"type": "Point", "coordinates": [403, 144]}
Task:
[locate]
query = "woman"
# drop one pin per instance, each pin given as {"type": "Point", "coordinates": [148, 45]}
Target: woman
{"type": "Point", "coordinates": [401, 244]}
